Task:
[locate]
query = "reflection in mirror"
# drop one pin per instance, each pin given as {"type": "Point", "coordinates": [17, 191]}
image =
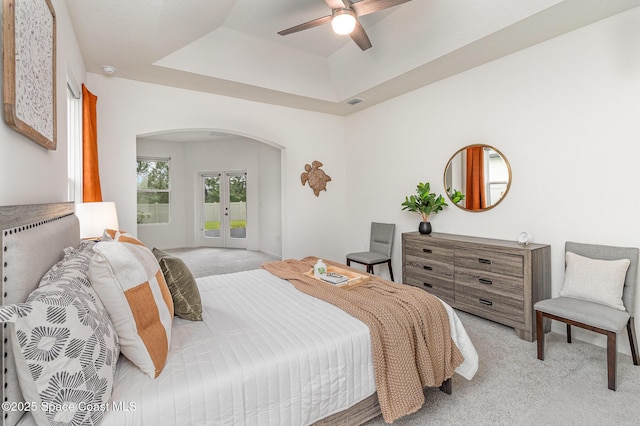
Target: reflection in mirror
{"type": "Point", "coordinates": [481, 173]}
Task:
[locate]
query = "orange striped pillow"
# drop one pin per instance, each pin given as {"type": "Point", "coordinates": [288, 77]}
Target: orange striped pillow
{"type": "Point", "coordinates": [133, 290]}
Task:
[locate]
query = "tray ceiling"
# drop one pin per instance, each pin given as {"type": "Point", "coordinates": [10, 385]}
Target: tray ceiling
{"type": "Point", "coordinates": [231, 47]}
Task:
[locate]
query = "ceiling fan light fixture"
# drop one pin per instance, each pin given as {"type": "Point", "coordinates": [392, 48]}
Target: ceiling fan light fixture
{"type": "Point", "coordinates": [343, 21]}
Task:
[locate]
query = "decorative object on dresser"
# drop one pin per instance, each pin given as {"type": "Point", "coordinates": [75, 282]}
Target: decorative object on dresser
{"type": "Point", "coordinates": [495, 279]}
{"type": "Point", "coordinates": [380, 245]}
{"type": "Point", "coordinates": [427, 203]}
{"type": "Point", "coordinates": [483, 174]}
{"type": "Point", "coordinates": [598, 294]}
{"type": "Point", "coordinates": [525, 238]}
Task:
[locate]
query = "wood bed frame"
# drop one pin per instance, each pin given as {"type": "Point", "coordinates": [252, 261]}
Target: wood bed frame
{"type": "Point", "coordinates": [33, 239]}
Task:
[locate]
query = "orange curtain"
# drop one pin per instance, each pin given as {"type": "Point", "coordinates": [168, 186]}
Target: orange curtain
{"type": "Point", "coordinates": [91, 190]}
{"type": "Point", "coordinates": [476, 198]}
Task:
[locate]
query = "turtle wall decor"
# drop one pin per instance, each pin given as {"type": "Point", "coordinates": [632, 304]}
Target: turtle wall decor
{"type": "Point", "coordinates": [316, 177]}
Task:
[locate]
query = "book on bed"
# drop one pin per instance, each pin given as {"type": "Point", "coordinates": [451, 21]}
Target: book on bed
{"type": "Point", "coordinates": [334, 278]}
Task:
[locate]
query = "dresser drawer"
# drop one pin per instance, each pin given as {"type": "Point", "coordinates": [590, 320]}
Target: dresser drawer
{"type": "Point", "coordinates": [436, 285]}
{"type": "Point", "coordinates": [490, 282]}
{"type": "Point", "coordinates": [495, 303]}
{"type": "Point", "coordinates": [424, 250]}
{"type": "Point", "coordinates": [483, 260]}
{"type": "Point", "coordinates": [418, 265]}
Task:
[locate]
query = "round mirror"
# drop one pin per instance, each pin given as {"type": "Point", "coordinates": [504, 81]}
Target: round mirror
{"type": "Point", "coordinates": [481, 173]}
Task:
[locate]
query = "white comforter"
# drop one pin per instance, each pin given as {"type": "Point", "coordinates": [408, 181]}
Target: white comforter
{"type": "Point", "coordinates": [266, 354]}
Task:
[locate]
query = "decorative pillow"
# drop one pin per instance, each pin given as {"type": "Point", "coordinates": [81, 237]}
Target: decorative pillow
{"type": "Point", "coordinates": [73, 266]}
{"type": "Point", "coordinates": [120, 236]}
{"type": "Point", "coordinates": [182, 285]}
{"type": "Point", "coordinates": [595, 280]}
{"type": "Point", "coordinates": [66, 350]}
{"type": "Point", "coordinates": [130, 284]}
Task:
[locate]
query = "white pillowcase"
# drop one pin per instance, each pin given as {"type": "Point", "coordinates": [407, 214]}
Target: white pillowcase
{"type": "Point", "coordinates": [132, 288]}
{"type": "Point", "coordinates": [595, 280]}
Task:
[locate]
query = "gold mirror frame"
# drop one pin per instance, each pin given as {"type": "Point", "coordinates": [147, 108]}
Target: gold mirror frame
{"type": "Point", "coordinates": [461, 178]}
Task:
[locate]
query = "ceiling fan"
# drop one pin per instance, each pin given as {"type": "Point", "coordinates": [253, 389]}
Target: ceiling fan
{"type": "Point", "coordinates": [344, 18]}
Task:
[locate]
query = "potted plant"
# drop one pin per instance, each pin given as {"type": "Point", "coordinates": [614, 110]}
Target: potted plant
{"type": "Point", "coordinates": [427, 203]}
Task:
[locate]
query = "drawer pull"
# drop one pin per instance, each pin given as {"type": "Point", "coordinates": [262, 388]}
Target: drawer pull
{"type": "Point", "coordinates": [427, 285]}
{"type": "Point", "coordinates": [485, 281]}
{"type": "Point", "coordinates": [486, 302]}
{"type": "Point", "coordinates": [485, 261]}
{"type": "Point", "coordinates": [428, 268]}
{"type": "Point", "coordinates": [427, 250]}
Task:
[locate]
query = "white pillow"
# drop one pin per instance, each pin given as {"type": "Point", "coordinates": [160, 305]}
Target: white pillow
{"type": "Point", "coordinates": [132, 288]}
{"type": "Point", "coordinates": [65, 347]}
{"type": "Point", "coordinates": [595, 280]}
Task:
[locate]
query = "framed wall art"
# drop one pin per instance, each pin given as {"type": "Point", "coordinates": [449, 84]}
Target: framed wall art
{"type": "Point", "coordinates": [29, 34]}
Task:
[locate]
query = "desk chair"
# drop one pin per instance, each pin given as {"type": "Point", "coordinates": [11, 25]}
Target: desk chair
{"type": "Point", "coordinates": [380, 244]}
{"type": "Point", "coordinates": [592, 314]}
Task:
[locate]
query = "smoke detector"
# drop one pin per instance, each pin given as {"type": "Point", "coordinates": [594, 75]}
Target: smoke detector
{"type": "Point", "coordinates": [108, 69]}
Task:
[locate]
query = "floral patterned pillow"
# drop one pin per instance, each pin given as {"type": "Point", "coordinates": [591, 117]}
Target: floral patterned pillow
{"type": "Point", "coordinates": [73, 266]}
{"type": "Point", "coordinates": [66, 347]}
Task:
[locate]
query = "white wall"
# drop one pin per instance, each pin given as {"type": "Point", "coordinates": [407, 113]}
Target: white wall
{"type": "Point", "coordinates": [28, 172]}
{"type": "Point", "coordinates": [564, 113]}
{"type": "Point", "coordinates": [232, 153]}
{"type": "Point", "coordinates": [126, 109]}
{"type": "Point", "coordinates": [270, 222]}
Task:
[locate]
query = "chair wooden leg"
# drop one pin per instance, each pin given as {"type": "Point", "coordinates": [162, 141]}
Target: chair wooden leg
{"type": "Point", "coordinates": [390, 270]}
{"type": "Point", "coordinates": [370, 269]}
{"type": "Point", "coordinates": [612, 359]}
{"type": "Point", "coordinates": [633, 340]}
{"type": "Point", "coordinates": [540, 334]}
{"type": "Point", "coordinates": [568, 333]}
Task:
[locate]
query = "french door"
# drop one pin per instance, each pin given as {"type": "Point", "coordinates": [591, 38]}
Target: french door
{"type": "Point", "coordinates": [224, 209]}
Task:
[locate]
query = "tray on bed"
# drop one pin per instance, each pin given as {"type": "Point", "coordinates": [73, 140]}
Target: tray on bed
{"type": "Point", "coordinates": [354, 279]}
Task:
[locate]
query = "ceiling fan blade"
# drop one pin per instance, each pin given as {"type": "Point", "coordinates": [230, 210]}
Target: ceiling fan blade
{"type": "Point", "coordinates": [335, 4]}
{"type": "Point", "coordinates": [306, 25]}
{"type": "Point", "coordinates": [359, 35]}
{"type": "Point", "coordinates": [366, 7]}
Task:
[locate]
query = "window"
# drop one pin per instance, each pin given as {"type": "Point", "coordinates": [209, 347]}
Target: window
{"type": "Point", "coordinates": [74, 140]}
{"type": "Point", "coordinates": [153, 190]}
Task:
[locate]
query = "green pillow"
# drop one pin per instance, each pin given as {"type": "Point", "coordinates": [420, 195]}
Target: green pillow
{"type": "Point", "coordinates": [182, 285]}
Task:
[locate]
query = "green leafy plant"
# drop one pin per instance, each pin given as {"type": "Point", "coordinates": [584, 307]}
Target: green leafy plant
{"type": "Point", "coordinates": [455, 196]}
{"type": "Point", "coordinates": [427, 202]}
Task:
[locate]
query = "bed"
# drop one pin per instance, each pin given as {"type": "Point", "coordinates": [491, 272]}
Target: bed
{"type": "Point", "coordinates": [266, 353]}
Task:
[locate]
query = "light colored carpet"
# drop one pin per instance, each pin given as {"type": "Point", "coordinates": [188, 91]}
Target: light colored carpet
{"type": "Point", "coordinates": [512, 387]}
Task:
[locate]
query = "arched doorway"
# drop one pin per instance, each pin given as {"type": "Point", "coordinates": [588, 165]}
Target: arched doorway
{"type": "Point", "coordinates": [195, 153]}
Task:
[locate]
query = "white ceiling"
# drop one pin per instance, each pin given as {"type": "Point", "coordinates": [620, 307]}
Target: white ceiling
{"type": "Point", "coordinates": [231, 47]}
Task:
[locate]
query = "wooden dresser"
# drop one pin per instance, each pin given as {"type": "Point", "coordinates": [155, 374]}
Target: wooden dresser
{"type": "Point", "coordinates": [495, 279]}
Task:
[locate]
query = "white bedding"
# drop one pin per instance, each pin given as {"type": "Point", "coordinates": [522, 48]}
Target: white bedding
{"type": "Point", "coordinates": [266, 354]}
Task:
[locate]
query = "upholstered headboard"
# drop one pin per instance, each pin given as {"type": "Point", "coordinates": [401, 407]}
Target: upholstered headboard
{"type": "Point", "coordinates": [33, 240]}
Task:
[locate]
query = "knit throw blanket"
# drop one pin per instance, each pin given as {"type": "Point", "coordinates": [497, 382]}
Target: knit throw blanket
{"type": "Point", "coordinates": [410, 335]}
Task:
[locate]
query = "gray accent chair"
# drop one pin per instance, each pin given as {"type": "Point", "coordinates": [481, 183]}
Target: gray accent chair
{"type": "Point", "coordinates": [380, 245]}
{"type": "Point", "coordinates": [594, 316]}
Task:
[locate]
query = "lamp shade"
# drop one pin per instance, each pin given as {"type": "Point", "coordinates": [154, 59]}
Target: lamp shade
{"type": "Point", "coordinates": [96, 217]}
{"type": "Point", "coordinates": [343, 21]}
